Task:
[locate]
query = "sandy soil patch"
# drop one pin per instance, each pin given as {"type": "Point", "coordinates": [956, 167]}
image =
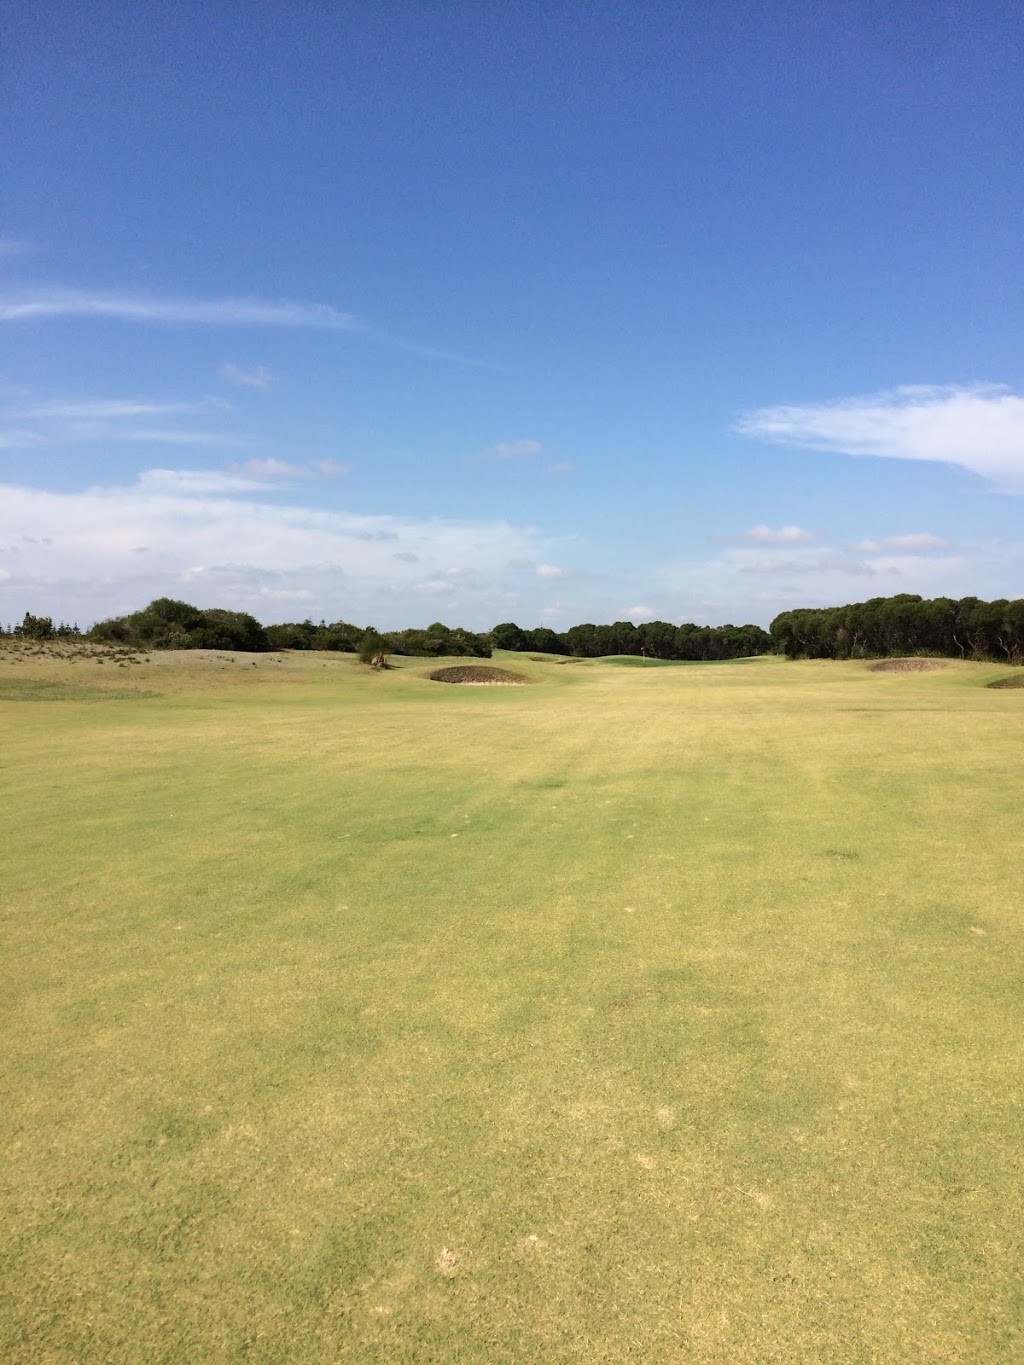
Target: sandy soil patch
{"type": "Point", "coordinates": [477, 675]}
{"type": "Point", "coordinates": [907, 665]}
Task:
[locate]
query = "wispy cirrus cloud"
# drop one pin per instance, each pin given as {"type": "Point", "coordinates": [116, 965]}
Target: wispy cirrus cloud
{"type": "Point", "coordinates": [268, 469]}
{"type": "Point", "coordinates": [816, 565]}
{"type": "Point", "coordinates": [979, 427]}
{"type": "Point", "coordinates": [257, 378]}
{"type": "Point", "coordinates": [170, 436]}
{"type": "Point", "coordinates": [19, 438]}
{"type": "Point", "coordinates": [57, 421]}
{"type": "Point", "coordinates": [187, 483]}
{"type": "Point", "coordinates": [516, 450]}
{"type": "Point", "coordinates": [102, 409]}
{"type": "Point", "coordinates": [51, 303]}
{"type": "Point", "coordinates": [916, 542]}
{"type": "Point", "coordinates": [249, 476]}
{"type": "Point", "coordinates": [238, 312]}
{"type": "Point", "coordinates": [15, 246]}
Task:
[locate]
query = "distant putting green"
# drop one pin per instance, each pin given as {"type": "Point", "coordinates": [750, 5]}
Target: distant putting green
{"type": "Point", "coordinates": [640, 1014]}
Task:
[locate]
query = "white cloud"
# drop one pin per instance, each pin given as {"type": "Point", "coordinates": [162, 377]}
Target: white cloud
{"type": "Point", "coordinates": [271, 468]}
{"type": "Point", "coordinates": [512, 450]}
{"type": "Point", "coordinates": [744, 583]}
{"type": "Point", "coordinates": [563, 467]}
{"type": "Point", "coordinates": [208, 536]}
{"type": "Point", "coordinates": [258, 378]}
{"type": "Point", "coordinates": [70, 303]}
{"type": "Point", "coordinates": [185, 482]}
{"type": "Point", "coordinates": [785, 535]}
{"type": "Point", "coordinates": [254, 476]}
{"type": "Point", "coordinates": [639, 613]}
{"type": "Point", "coordinates": [286, 594]}
{"type": "Point", "coordinates": [918, 540]}
{"type": "Point", "coordinates": [816, 565]}
{"type": "Point", "coordinates": [979, 427]}
{"type": "Point", "coordinates": [549, 571]}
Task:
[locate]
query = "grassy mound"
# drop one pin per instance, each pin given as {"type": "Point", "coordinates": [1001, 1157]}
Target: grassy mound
{"type": "Point", "coordinates": [1015, 680]}
{"type": "Point", "coordinates": [907, 665]}
{"type": "Point", "coordinates": [477, 674]}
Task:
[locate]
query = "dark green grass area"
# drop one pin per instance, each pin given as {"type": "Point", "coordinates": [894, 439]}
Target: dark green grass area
{"type": "Point", "coordinates": [354, 1018]}
{"type": "Point", "coordinates": [1015, 680]}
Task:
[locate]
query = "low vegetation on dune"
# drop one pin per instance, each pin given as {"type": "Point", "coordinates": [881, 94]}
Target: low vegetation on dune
{"type": "Point", "coordinates": [662, 1014]}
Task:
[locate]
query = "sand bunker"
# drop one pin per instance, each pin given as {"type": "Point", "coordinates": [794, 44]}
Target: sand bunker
{"type": "Point", "coordinates": [477, 675]}
{"type": "Point", "coordinates": [907, 665]}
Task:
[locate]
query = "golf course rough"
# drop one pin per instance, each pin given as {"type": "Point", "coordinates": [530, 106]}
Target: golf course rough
{"type": "Point", "coordinates": [657, 1014]}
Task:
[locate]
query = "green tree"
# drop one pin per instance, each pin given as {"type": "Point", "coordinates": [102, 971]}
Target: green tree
{"type": "Point", "coordinates": [508, 636]}
{"type": "Point", "coordinates": [35, 627]}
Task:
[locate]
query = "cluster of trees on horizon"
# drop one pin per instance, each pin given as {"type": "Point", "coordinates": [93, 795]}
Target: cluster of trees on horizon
{"type": "Point", "coordinates": [655, 639]}
{"type": "Point", "coordinates": [958, 628]}
{"type": "Point", "coordinates": [881, 627]}
{"type": "Point", "coordinates": [169, 624]}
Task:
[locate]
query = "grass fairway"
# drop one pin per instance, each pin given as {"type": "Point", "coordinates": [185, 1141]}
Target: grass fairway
{"type": "Point", "coordinates": [666, 1014]}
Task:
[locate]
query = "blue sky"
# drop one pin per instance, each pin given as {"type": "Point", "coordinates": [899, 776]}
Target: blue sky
{"type": "Point", "coordinates": [533, 312]}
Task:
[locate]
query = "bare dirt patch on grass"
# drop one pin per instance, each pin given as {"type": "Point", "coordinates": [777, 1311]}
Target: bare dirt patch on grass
{"type": "Point", "coordinates": [479, 675]}
{"type": "Point", "coordinates": [907, 665]}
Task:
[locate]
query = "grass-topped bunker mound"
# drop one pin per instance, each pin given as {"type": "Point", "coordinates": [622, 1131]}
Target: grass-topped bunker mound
{"type": "Point", "coordinates": [1014, 680]}
{"type": "Point", "coordinates": [907, 665]}
{"type": "Point", "coordinates": [480, 675]}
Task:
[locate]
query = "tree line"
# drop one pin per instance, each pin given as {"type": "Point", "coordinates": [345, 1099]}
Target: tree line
{"type": "Point", "coordinates": [964, 628]}
{"type": "Point", "coordinates": [653, 639]}
{"type": "Point", "coordinates": [169, 624]}
{"type": "Point", "coordinates": [41, 628]}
